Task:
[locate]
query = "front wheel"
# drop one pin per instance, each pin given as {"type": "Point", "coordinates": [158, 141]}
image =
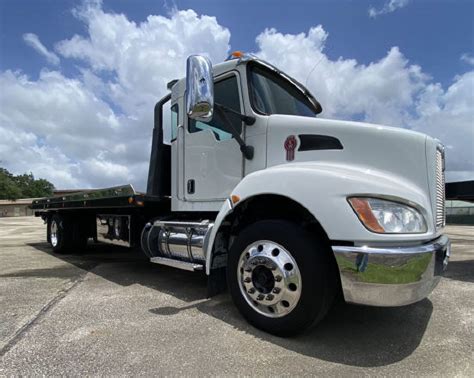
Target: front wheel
{"type": "Point", "coordinates": [281, 277]}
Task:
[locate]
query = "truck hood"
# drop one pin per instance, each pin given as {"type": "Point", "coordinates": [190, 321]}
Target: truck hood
{"type": "Point", "coordinates": [399, 153]}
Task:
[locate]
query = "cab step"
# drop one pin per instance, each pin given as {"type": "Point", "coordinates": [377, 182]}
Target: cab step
{"type": "Point", "coordinates": [193, 267]}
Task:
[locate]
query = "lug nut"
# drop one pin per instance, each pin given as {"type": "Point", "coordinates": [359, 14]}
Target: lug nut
{"type": "Point", "coordinates": [248, 269]}
{"type": "Point", "coordinates": [260, 297]}
{"type": "Point", "coordinates": [247, 279]}
{"type": "Point", "coordinates": [251, 290]}
{"type": "Point", "coordinates": [270, 297]}
{"type": "Point", "coordinates": [278, 278]}
{"type": "Point", "coordinates": [276, 290]}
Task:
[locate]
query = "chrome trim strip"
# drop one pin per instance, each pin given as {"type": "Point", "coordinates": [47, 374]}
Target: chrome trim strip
{"type": "Point", "coordinates": [423, 248]}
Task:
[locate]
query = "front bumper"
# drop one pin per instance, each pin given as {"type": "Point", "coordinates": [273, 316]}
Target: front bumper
{"type": "Point", "coordinates": [391, 276]}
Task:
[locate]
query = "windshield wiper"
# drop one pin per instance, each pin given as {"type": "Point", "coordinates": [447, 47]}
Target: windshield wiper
{"type": "Point", "coordinates": [222, 111]}
{"type": "Point", "coordinates": [247, 119]}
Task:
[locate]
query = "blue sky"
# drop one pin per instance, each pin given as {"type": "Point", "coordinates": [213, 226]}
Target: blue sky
{"type": "Point", "coordinates": [432, 33]}
{"type": "Point", "coordinates": [408, 63]}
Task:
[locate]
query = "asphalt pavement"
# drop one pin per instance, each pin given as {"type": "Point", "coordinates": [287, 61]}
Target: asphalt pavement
{"type": "Point", "coordinates": [108, 311]}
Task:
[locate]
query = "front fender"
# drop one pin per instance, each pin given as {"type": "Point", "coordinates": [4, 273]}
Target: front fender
{"type": "Point", "coordinates": [323, 188]}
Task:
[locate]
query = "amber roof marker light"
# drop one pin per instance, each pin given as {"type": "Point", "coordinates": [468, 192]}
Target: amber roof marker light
{"type": "Point", "coordinates": [236, 55]}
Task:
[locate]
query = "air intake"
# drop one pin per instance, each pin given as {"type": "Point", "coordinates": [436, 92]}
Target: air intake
{"type": "Point", "coordinates": [440, 188]}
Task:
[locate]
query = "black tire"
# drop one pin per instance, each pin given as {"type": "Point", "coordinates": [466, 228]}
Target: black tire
{"type": "Point", "coordinates": [316, 266]}
{"type": "Point", "coordinates": [71, 236]}
{"type": "Point", "coordinates": [48, 230]}
{"type": "Point", "coordinates": [60, 233]}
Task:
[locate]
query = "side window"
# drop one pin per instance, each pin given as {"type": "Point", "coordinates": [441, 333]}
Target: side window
{"type": "Point", "coordinates": [174, 122]}
{"type": "Point", "coordinates": [170, 123]}
{"type": "Point", "coordinates": [226, 92]}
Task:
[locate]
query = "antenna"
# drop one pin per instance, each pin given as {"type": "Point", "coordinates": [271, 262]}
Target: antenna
{"type": "Point", "coordinates": [312, 69]}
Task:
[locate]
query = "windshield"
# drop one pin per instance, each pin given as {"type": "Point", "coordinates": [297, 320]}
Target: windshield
{"type": "Point", "coordinates": [272, 94]}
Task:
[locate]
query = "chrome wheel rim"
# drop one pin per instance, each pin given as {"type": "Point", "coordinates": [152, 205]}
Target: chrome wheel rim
{"type": "Point", "coordinates": [54, 233]}
{"type": "Point", "coordinates": [269, 278]}
{"type": "Point", "coordinates": [117, 228]}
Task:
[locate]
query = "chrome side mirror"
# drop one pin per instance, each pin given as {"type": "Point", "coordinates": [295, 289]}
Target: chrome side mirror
{"type": "Point", "coordinates": [199, 88]}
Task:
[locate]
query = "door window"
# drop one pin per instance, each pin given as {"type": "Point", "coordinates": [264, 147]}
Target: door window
{"type": "Point", "coordinates": [226, 92]}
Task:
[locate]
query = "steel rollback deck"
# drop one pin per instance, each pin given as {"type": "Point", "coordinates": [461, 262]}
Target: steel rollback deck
{"type": "Point", "coordinates": [116, 197]}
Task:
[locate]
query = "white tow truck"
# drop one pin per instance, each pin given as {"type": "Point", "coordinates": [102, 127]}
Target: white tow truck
{"type": "Point", "coordinates": [286, 208]}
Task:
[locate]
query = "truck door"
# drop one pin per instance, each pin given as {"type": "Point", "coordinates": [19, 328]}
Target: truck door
{"type": "Point", "coordinates": [213, 163]}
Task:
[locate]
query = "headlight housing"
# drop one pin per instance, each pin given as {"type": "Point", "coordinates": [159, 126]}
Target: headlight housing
{"type": "Point", "coordinates": [388, 217]}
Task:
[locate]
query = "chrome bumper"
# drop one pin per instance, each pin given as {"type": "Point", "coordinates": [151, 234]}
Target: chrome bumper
{"type": "Point", "coordinates": [394, 276]}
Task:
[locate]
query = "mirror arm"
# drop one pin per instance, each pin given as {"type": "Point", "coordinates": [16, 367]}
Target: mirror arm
{"type": "Point", "coordinates": [247, 151]}
{"type": "Point", "coordinates": [247, 119]}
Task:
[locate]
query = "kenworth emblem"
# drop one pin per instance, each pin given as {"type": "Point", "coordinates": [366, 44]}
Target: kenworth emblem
{"type": "Point", "coordinates": [290, 146]}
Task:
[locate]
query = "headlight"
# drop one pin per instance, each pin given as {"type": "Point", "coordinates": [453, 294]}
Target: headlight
{"type": "Point", "coordinates": [390, 217]}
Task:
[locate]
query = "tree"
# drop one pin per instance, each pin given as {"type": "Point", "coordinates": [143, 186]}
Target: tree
{"type": "Point", "coordinates": [23, 186]}
{"type": "Point", "coordinates": [8, 188]}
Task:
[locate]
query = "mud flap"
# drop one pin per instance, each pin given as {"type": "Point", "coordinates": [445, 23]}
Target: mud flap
{"type": "Point", "coordinates": [216, 282]}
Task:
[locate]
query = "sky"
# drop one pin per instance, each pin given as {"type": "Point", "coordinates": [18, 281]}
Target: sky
{"type": "Point", "coordinates": [79, 79]}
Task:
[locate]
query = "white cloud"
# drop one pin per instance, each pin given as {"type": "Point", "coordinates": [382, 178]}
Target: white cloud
{"type": "Point", "coordinates": [389, 91]}
{"type": "Point", "coordinates": [468, 58]}
{"type": "Point", "coordinates": [143, 57]}
{"type": "Point", "coordinates": [95, 129]}
{"type": "Point", "coordinates": [389, 7]}
{"type": "Point", "coordinates": [449, 116]}
{"type": "Point", "coordinates": [46, 125]}
{"type": "Point", "coordinates": [380, 92]}
{"type": "Point", "coordinates": [34, 42]}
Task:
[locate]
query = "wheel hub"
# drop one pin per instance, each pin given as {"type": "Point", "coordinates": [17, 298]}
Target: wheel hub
{"type": "Point", "coordinates": [269, 278]}
{"type": "Point", "coordinates": [262, 279]}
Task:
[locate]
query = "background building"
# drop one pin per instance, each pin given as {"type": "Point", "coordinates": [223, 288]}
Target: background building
{"type": "Point", "coordinates": [18, 208]}
{"type": "Point", "coordinates": [459, 212]}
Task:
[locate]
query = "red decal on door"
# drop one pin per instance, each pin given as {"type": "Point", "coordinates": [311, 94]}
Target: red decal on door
{"type": "Point", "coordinates": [290, 146]}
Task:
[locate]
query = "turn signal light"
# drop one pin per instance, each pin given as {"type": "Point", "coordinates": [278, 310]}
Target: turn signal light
{"type": "Point", "coordinates": [387, 216]}
{"type": "Point", "coordinates": [362, 208]}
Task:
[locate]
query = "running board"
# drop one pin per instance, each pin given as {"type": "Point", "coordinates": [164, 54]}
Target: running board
{"type": "Point", "coordinates": [192, 267]}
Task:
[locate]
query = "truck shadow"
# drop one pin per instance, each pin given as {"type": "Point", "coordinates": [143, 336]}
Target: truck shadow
{"type": "Point", "coordinates": [350, 335]}
{"type": "Point", "coordinates": [461, 270]}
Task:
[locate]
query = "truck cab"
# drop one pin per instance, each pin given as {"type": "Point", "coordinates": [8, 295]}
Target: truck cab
{"type": "Point", "coordinates": [289, 208]}
{"type": "Point", "coordinates": [207, 161]}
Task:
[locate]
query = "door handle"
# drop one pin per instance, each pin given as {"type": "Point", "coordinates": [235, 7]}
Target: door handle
{"type": "Point", "coordinates": [191, 186]}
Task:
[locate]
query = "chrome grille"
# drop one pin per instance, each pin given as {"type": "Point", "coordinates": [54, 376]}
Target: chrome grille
{"type": "Point", "coordinates": [440, 195]}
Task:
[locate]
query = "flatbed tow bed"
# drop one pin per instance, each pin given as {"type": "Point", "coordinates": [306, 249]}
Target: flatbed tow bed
{"type": "Point", "coordinates": [89, 214]}
{"type": "Point", "coordinates": [115, 197]}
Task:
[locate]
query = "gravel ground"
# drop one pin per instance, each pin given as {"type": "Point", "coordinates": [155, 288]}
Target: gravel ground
{"type": "Point", "coordinates": [110, 312]}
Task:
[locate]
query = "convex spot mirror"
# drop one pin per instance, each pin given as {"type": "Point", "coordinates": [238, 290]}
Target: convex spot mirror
{"type": "Point", "coordinates": [199, 88]}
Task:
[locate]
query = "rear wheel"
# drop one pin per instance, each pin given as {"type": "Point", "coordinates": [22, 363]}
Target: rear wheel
{"type": "Point", "coordinates": [281, 277]}
{"type": "Point", "coordinates": [65, 235]}
{"type": "Point", "coordinates": [60, 233]}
